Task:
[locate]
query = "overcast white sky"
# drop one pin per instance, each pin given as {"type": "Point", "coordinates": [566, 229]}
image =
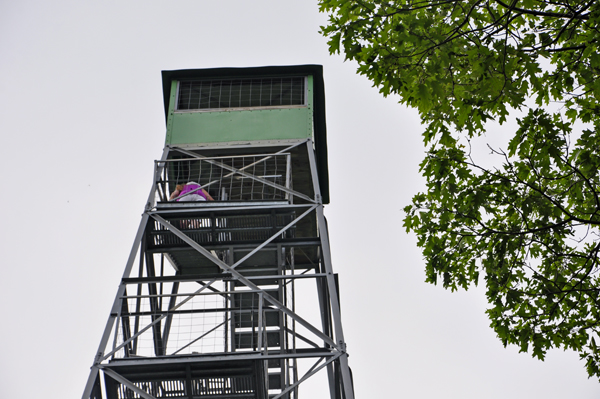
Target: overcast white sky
{"type": "Point", "coordinates": [81, 119]}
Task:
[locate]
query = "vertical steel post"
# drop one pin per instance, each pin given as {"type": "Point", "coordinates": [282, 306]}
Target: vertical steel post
{"type": "Point", "coordinates": [333, 294]}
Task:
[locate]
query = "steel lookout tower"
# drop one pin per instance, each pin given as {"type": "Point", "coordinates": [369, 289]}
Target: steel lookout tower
{"type": "Point", "coordinates": [229, 290]}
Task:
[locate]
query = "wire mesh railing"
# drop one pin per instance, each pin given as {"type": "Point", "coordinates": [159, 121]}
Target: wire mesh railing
{"type": "Point", "coordinates": [230, 178]}
{"type": "Point", "coordinates": [170, 323]}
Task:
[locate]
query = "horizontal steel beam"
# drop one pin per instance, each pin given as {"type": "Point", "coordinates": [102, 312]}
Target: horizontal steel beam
{"type": "Point", "coordinates": [241, 245]}
{"type": "Point", "coordinates": [246, 208]}
{"type": "Point", "coordinates": [167, 279]}
{"type": "Point", "coordinates": [291, 143]}
{"type": "Point", "coordinates": [178, 278]}
{"type": "Point", "coordinates": [269, 155]}
{"type": "Point", "coordinates": [298, 354]}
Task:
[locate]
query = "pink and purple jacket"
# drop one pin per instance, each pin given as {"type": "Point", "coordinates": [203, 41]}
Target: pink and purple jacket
{"type": "Point", "coordinates": [191, 187]}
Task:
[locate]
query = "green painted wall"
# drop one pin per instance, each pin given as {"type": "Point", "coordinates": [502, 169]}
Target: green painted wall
{"type": "Point", "coordinates": [189, 127]}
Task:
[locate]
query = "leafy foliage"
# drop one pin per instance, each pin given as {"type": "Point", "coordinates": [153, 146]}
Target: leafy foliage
{"type": "Point", "coordinates": [530, 225]}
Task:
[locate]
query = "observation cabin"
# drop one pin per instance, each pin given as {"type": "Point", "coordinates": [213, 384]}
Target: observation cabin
{"type": "Point", "coordinates": [229, 290]}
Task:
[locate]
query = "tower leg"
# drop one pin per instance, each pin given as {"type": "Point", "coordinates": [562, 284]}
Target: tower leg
{"type": "Point", "coordinates": [333, 294]}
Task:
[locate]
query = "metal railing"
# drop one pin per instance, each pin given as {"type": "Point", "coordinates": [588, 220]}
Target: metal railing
{"type": "Point", "coordinates": [194, 323]}
{"type": "Point", "coordinates": [229, 178]}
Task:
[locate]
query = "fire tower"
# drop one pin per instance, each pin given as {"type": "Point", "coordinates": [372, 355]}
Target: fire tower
{"type": "Point", "coordinates": [233, 297]}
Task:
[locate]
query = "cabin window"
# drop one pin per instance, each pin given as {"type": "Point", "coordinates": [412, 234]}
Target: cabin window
{"type": "Point", "coordinates": [241, 93]}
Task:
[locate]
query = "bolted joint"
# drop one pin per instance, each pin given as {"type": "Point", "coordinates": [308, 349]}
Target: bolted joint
{"type": "Point", "coordinates": [98, 358]}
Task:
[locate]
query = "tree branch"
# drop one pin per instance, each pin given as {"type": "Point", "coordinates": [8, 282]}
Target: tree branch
{"type": "Point", "coordinates": [543, 13]}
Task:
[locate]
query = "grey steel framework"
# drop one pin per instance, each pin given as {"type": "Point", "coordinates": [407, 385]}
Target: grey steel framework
{"type": "Point", "coordinates": [212, 303]}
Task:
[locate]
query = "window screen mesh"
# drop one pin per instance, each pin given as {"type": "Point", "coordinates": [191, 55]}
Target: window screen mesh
{"type": "Point", "coordinates": [238, 93]}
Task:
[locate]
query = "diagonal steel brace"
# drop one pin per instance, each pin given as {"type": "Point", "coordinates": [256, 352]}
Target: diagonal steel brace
{"type": "Point", "coordinates": [127, 383]}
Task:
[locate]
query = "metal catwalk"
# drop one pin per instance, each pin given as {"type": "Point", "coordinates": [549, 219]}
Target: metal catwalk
{"type": "Point", "coordinates": [231, 298]}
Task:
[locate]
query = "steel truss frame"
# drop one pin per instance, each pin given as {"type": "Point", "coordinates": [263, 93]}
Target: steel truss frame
{"type": "Point", "coordinates": [331, 352]}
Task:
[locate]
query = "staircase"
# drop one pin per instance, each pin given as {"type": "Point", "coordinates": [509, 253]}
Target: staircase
{"type": "Point", "coordinates": [256, 325]}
